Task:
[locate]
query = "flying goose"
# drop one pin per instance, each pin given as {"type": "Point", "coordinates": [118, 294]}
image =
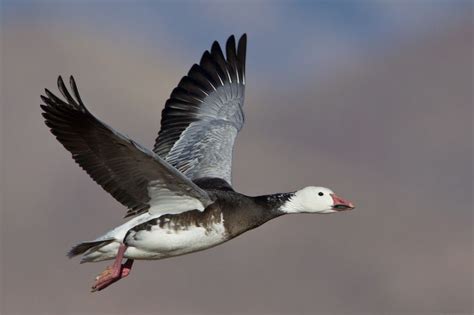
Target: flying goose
{"type": "Point", "coordinates": [179, 196]}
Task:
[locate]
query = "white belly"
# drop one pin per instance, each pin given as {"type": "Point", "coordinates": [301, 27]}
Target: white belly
{"type": "Point", "coordinates": [155, 242]}
{"type": "Point", "coordinates": [161, 242]}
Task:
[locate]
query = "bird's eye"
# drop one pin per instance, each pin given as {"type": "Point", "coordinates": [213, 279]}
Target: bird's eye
{"type": "Point", "coordinates": [321, 194]}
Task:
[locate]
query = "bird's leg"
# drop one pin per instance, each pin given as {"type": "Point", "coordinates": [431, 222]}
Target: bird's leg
{"type": "Point", "coordinates": [115, 272]}
{"type": "Point", "coordinates": [126, 268]}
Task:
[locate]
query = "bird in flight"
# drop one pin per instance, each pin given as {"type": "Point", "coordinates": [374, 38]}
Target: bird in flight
{"type": "Point", "coordinates": [179, 195]}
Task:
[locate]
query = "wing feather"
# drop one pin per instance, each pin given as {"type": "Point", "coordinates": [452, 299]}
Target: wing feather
{"type": "Point", "coordinates": [135, 176]}
{"type": "Point", "coordinates": [204, 113]}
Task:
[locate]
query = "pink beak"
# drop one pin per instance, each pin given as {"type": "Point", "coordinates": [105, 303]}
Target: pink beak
{"type": "Point", "coordinates": [341, 204]}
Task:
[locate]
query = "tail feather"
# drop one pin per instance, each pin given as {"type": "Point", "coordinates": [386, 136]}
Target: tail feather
{"type": "Point", "coordinates": [84, 247]}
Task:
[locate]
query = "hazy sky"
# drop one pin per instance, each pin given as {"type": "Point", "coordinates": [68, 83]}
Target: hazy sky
{"type": "Point", "coordinates": [322, 33]}
{"type": "Point", "coordinates": [370, 98]}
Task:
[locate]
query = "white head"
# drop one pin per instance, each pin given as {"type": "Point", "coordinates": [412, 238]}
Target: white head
{"type": "Point", "coordinates": [315, 200]}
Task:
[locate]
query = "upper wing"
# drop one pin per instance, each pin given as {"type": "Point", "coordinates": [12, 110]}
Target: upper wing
{"type": "Point", "coordinates": [204, 114]}
{"type": "Point", "coordinates": [133, 175]}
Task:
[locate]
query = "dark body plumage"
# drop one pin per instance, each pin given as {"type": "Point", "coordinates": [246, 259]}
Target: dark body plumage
{"type": "Point", "coordinates": [240, 213]}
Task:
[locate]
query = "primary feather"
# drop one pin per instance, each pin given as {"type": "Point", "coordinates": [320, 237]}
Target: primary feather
{"type": "Point", "coordinates": [132, 174]}
{"type": "Point", "coordinates": [204, 113]}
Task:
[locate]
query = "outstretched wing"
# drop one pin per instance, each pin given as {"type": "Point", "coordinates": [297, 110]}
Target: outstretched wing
{"type": "Point", "coordinates": [204, 113]}
{"type": "Point", "coordinates": [133, 175]}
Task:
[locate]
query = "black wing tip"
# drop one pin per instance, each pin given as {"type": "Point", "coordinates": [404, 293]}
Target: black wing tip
{"type": "Point", "coordinates": [215, 45]}
{"type": "Point", "coordinates": [48, 93]}
{"type": "Point", "coordinates": [235, 52]}
{"type": "Point", "coordinates": [60, 81]}
{"type": "Point", "coordinates": [230, 46]}
{"type": "Point", "coordinates": [231, 43]}
{"type": "Point", "coordinates": [51, 99]}
{"type": "Point", "coordinates": [242, 45]}
{"type": "Point", "coordinates": [232, 37]}
{"type": "Point", "coordinates": [60, 78]}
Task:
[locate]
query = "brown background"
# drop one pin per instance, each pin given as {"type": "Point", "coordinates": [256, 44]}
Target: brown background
{"type": "Point", "coordinates": [391, 131]}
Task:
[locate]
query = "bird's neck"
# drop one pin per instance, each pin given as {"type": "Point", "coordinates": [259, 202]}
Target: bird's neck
{"type": "Point", "coordinates": [253, 212]}
{"type": "Point", "coordinates": [274, 205]}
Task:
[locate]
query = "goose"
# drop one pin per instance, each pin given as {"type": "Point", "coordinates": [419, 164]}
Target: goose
{"type": "Point", "coordinates": [179, 195]}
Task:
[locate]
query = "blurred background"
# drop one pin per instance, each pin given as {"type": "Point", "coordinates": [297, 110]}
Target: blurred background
{"type": "Point", "coordinates": [371, 98]}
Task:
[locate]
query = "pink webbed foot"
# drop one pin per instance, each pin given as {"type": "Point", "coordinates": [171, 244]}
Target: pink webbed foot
{"type": "Point", "coordinates": [113, 273]}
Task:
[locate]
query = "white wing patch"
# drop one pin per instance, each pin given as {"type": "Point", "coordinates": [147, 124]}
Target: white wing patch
{"type": "Point", "coordinates": [163, 201]}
